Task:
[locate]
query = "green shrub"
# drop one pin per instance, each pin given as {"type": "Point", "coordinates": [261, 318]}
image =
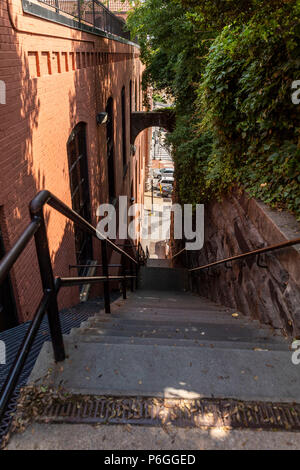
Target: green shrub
{"type": "Point", "coordinates": [245, 95]}
{"type": "Point", "coordinates": [229, 67]}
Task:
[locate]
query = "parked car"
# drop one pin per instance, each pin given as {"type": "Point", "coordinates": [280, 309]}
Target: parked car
{"type": "Point", "coordinates": [166, 185]}
{"type": "Point", "coordinates": [156, 173]}
{"type": "Point", "coordinates": [167, 180]}
{"type": "Point", "coordinates": [167, 171]}
{"type": "Point", "coordinates": [166, 190]}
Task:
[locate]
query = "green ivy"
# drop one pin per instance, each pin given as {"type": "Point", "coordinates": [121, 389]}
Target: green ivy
{"type": "Point", "coordinates": [229, 67]}
{"type": "Point", "coordinates": [246, 96]}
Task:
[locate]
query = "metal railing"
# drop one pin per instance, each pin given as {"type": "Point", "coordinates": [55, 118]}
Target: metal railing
{"type": "Point", "coordinates": [142, 255]}
{"type": "Point", "coordinates": [248, 254]}
{"type": "Point", "coordinates": [91, 12]}
{"type": "Point", "coordinates": [51, 285]}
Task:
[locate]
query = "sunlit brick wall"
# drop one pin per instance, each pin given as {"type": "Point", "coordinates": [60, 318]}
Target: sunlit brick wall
{"type": "Point", "coordinates": [55, 78]}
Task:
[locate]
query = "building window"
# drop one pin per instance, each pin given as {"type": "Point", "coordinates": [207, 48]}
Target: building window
{"type": "Point", "coordinates": [80, 193]}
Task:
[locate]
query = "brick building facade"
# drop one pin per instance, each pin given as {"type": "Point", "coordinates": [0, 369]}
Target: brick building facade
{"type": "Point", "coordinates": [57, 79]}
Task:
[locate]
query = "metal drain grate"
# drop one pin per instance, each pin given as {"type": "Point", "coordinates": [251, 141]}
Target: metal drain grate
{"type": "Point", "coordinates": [183, 413]}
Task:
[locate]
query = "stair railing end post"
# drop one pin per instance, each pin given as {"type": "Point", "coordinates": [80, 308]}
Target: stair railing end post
{"type": "Point", "coordinates": [48, 283]}
{"type": "Point", "coordinates": [123, 262]}
{"type": "Point", "coordinates": [131, 279]}
{"type": "Point", "coordinates": [105, 273]}
{"type": "Point", "coordinates": [137, 274]}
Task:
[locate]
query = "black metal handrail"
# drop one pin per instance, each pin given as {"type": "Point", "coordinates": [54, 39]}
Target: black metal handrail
{"type": "Point", "coordinates": [91, 12]}
{"type": "Point", "coordinates": [178, 253]}
{"type": "Point", "coordinates": [78, 280]}
{"type": "Point", "coordinates": [256, 252]}
{"type": "Point", "coordinates": [51, 285]}
{"type": "Point", "coordinates": [45, 197]}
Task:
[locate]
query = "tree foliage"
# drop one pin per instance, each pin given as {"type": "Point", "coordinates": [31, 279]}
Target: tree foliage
{"type": "Point", "coordinates": [229, 66]}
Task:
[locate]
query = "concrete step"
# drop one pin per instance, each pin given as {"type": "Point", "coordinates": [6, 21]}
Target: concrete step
{"type": "Point", "coordinates": [170, 304]}
{"type": "Point", "coordinates": [188, 331]}
{"type": "Point", "coordinates": [173, 344]}
{"type": "Point", "coordinates": [164, 279]}
{"type": "Point", "coordinates": [169, 300]}
{"type": "Point", "coordinates": [177, 313]}
{"type": "Point", "coordinates": [258, 344]}
{"type": "Point", "coordinates": [165, 371]}
{"type": "Point", "coordinates": [206, 331]}
{"type": "Point", "coordinates": [169, 318]}
{"type": "Point", "coordinates": [159, 263]}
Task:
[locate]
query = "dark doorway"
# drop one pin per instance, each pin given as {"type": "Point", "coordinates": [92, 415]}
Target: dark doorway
{"type": "Point", "coordinates": [80, 193]}
{"type": "Point", "coordinates": [8, 312]}
{"type": "Point", "coordinates": [135, 96]}
{"type": "Point", "coordinates": [110, 150]}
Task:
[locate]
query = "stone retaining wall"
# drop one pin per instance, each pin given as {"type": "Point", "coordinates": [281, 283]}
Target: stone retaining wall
{"type": "Point", "coordinates": [270, 294]}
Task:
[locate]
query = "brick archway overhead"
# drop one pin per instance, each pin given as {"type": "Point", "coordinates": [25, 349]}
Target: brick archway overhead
{"type": "Point", "coordinates": [143, 120]}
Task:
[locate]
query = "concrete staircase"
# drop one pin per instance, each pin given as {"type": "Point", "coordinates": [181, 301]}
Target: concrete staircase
{"type": "Point", "coordinates": [170, 343]}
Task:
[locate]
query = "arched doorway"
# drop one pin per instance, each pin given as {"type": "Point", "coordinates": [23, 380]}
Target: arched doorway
{"type": "Point", "coordinates": [80, 193]}
{"type": "Point", "coordinates": [110, 149]}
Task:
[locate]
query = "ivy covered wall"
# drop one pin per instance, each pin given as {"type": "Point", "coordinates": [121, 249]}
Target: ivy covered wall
{"type": "Point", "coordinates": [229, 67]}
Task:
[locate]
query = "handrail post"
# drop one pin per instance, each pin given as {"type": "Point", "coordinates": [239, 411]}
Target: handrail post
{"type": "Point", "coordinates": [105, 273]}
{"type": "Point", "coordinates": [15, 370]}
{"type": "Point", "coordinates": [136, 276]}
{"type": "Point", "coordinates": [48, 283]}
{"type": "Point", "coordinates": [123, 262]}
{"type": "Point", "coordinates": [138, 258]}
{"type": "Point", "coordinates": [131, 279]}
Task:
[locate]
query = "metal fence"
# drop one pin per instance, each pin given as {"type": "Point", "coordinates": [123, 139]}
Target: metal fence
{"type": "Point", "coordinates": [117, 5]}
{"type": "Point", "coordinates": [91, 12]}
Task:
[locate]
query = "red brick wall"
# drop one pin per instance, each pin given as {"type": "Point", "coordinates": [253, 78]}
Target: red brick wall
{"type": "Point", "coordinates": [56, 77]}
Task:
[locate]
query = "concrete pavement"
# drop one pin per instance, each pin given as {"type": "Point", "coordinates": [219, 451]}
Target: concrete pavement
{"type": "Point", "coordinates": [87, 437]}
